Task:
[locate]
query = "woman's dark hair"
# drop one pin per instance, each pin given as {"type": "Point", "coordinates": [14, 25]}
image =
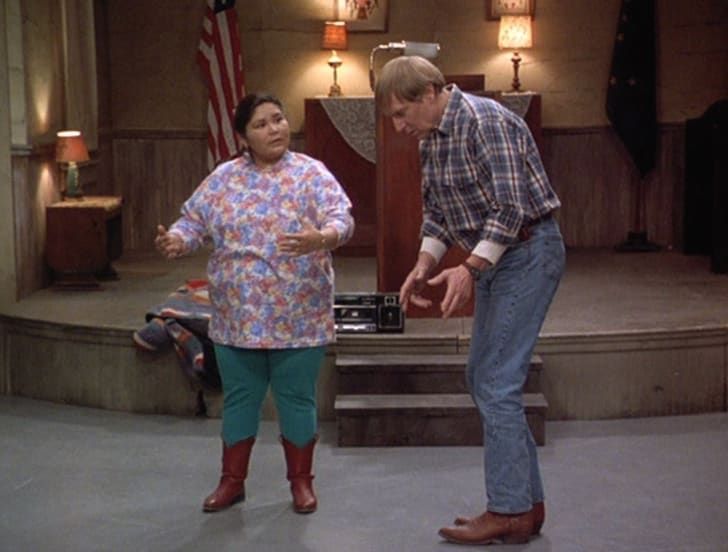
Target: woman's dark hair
{"type": "Point", "coordinates": [245, 109]}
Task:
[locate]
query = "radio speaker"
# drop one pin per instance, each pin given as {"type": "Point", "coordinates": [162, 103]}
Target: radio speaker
{"type": "Point", "coordinates": [368, 313]}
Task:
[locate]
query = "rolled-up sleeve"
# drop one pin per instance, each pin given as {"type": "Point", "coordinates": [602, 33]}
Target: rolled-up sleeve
{"type": "Point", "coordinates": [336, 212]}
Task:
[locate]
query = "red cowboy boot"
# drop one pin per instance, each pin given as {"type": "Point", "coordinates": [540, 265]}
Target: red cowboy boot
{"type": "Point", "coordinates": [539, 515]}
{"type": "Point", "coordinates": [491, 527]}
{"type": "Point", "coordinates": [300, 464]}
{"type": "Point", "coordinates": [231, 488]}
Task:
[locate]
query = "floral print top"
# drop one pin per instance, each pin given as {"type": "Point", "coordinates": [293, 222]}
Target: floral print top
{"type": "Point", "coordinates": [263, 299]}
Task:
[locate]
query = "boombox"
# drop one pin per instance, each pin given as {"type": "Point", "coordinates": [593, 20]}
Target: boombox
{"type": "Point", "coordinates": [368, 313]}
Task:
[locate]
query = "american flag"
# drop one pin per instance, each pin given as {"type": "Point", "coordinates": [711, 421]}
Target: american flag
{"type": "Point", "coordinates": [218, 55]}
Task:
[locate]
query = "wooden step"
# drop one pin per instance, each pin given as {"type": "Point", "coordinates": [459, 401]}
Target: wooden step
{"type": "Point", "coordinates": [423, 419]}
{"type": "Point", "coordinates": [374, 374]}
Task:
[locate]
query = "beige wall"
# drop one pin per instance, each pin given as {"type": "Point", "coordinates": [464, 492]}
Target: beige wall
{"type": "Point", "coordinates": [79, 51]}
{"type": "Point", "coordinates": [7, 236]}
{"type": "Point", "coordinates": [43, 56]}
{"type": "Point", "coordinates": [32, 103]}
{"type": "Point", "coordinates": [156, 84]}
{"type": "Point", "coordinates": [148, 81]}
{"type": "Point", "coordinates": [34, 62]}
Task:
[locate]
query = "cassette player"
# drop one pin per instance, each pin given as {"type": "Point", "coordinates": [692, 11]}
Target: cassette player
{"type": "Point", "coordinates": [368, 313]}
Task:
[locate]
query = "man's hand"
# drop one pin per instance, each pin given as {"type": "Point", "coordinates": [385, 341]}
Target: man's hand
{"type": "Point", "coordinates": [415, 283]}
{"type": "Point", "coordinates": [168, 244]}
{"type": "Point", "coordinates": [459, 288]}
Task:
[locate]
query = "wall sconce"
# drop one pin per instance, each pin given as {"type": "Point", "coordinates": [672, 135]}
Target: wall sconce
{"type": "Point", "coordinates": [71, 149]}
{"type": "Point", "coordinates": [334, 39]}
{"type": "Point", "coordinates": [515, 32]}
{"type": "Point", "coordinates": [427, 50]}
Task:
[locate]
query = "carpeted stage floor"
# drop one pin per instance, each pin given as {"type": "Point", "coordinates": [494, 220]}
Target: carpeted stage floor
{"type": "Point", "coordinates": [602, 293]}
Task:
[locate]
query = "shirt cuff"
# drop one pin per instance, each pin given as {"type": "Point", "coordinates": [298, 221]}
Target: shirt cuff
{"type": "Point", "coordinates": [434, 247]}
{"type": "Point", "coordinates": [488, 250]}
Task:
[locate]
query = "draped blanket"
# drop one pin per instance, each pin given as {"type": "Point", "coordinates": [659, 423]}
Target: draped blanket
{"type": "Point", "coordinates": [182, 322]}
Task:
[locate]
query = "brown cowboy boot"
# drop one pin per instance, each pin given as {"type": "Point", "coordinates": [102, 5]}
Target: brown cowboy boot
{"type": "Point", "coordinates": [300, 464]}
{"type": "Point", "coordinates": [539, 515]}
{"type": "Point", "coordinates": [489, 528]}
{"type": "Point", "coordinates": [231, 488]}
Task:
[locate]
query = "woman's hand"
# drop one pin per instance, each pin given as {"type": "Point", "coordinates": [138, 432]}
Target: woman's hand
{"type": "Point", "coordinates": [301, 243]}
{"type": "Point", "coordinates": [168, 244]}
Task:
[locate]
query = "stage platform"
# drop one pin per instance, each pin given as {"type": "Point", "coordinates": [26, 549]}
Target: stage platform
{"type": "Point", "coordinates": [635, 334]}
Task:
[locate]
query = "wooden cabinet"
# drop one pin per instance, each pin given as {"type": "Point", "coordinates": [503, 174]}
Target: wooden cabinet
{"type": "Point", "coordinates": [355, 173]}
{"type": "Point", "coordinates": [399, 208]}
{"type": "Point", "coordinates": [83, 237]}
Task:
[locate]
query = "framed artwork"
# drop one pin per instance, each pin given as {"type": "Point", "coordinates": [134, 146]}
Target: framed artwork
{"type": "Point", "coordinates": [363, 16]}
{"type": "Point", "coordinates": [495, 8]}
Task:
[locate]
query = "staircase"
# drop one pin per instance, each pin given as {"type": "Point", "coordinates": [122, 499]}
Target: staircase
{"type": "Point", "coordinates": [395, 400]}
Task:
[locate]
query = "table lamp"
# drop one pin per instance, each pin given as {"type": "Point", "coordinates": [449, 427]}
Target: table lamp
{"type": "Point", "coordinates": [71, 149]}
{"type": "Point", "coordinates": [334, 39]}
{"type": "Point", "coordinates": [515, 33]}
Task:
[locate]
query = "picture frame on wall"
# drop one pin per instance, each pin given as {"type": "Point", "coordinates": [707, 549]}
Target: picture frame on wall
{"type": "Point", "coordinates": [363, 16]}
{"type": "Point", "coordinates": [494, 9]}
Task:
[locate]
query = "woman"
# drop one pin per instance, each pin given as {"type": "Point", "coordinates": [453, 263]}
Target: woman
{"type": "Point", "coordinates": [272, 217]}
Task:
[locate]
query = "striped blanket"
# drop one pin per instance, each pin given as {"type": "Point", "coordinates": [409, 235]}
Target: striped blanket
{"type": "Point", "coordinates": [181, 322]}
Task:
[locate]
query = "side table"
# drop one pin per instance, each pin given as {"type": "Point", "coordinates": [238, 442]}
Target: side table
{"type": "Point", "coordinates": [83, 237]}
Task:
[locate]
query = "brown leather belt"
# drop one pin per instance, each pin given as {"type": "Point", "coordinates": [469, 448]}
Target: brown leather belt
{"type": "Point", "coordinates": [524, 234]}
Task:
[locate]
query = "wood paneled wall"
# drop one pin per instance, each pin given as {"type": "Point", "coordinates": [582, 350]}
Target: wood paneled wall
{"type": "Point", "coordinates": [34, 177]}
{"type": "Point", "coordinates": [156, 171]}
{"type": "Point", "coordinates": [597, 185]}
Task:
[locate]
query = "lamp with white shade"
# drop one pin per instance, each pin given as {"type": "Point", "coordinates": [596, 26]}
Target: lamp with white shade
{"type": "Point", "coordinates": [515, 33]}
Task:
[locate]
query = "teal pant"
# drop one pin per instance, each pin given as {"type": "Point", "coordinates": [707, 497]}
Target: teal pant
{"type": "Point", "coordinates": [291, 375]}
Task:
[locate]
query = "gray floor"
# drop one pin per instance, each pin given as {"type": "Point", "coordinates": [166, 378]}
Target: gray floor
{"type": "Point", "coordinates": [77, 479]}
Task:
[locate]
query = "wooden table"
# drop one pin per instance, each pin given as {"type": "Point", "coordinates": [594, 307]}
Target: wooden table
{"type": "Point", "coordinates": [83, 237]}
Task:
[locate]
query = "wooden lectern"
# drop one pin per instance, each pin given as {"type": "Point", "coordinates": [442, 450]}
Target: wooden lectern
{"type": "Point", "coordinates": [355, 173]}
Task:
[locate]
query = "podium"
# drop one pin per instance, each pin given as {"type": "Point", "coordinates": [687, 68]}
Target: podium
{"type": "Point", "coordinates": [399, 205]}
{"type": "Point", "coordinates": [340, 132]}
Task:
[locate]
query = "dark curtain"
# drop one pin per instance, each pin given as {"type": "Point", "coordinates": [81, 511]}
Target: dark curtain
{"type": "Point", "coordinates": [706, 186]}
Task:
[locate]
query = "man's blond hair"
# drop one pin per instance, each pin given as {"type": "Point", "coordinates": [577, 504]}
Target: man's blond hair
{"type": "Point", "coordinates": [406, 78]}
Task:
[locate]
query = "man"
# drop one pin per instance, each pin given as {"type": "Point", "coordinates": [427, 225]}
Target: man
{"type": "Point", "coordinates": [485, 189]}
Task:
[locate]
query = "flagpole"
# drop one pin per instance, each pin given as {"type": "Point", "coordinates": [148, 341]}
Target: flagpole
{"type": "Point", "coordinates": [632, 106]}
{"type": "Point", "coordinates": [637, 241]}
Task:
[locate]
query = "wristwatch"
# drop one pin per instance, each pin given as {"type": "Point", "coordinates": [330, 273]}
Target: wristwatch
{"type": "Point", "coordinates": [474, 272]}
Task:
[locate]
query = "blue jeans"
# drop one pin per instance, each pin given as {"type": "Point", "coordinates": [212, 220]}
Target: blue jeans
{"type": "Point", "coordinates": [511, 300]}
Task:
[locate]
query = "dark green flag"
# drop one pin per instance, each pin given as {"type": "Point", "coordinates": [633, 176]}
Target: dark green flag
{"type": "Point", "coordinates": [631, 102]}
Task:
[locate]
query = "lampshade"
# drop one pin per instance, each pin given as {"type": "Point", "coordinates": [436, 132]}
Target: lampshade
{"type": "Point", "coordinates": [70, 147]}
{"type": "Point", "coordinates": [427, 50]}
{"type": "Point", "coordinates": [515, 32]}
{"type": "Point", "coordinates": [334, 36]}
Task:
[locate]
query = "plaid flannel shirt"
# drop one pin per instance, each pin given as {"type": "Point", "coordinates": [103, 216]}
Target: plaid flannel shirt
{"type": "Point", "coordinates": [482, 175]}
